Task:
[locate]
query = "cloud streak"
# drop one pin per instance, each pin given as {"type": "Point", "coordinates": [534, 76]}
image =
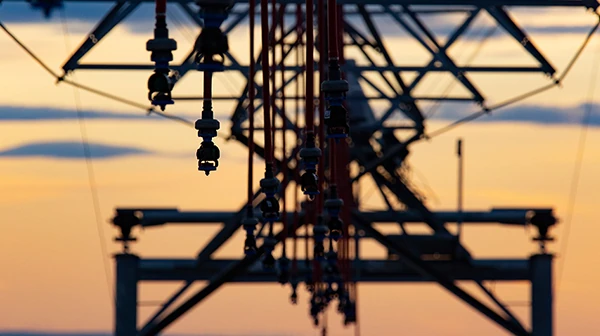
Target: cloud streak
{"type": "Point", "coordinates": [70, 150]}
{"type": "Point", "coordinates": [537, 114]}
{"type": "Point", "coordinates": [24, 113]}
{"type": "Point", "coordinates": [534, 114]}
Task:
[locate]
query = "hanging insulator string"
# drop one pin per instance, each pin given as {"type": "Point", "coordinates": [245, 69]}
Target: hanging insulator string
{"type": "Point", "coordinates": [249, 223]}
{"type": "Point", "coordinates": [310, 154]}
{"type": "Point", "coordinates": [294, 273]}
{"type": "Point", "coordinates": [309, 113]}
{"type": "Point", "coordinates": [336, 116]}
{"type": "Point", "coordinates": [211, 42]}
{"type": "Point", "coordinates": [273, 51]}
{"type": "Point", "coordinates": [161, 47]}
{"type": "Point", "coordinates": [269, 184]}
{"type": "Point", "coordinates": [251, 98]}
{"type": "Point", "coordinates": [284, 273]}
{"type": "Point", "coordinates": [322, 78]}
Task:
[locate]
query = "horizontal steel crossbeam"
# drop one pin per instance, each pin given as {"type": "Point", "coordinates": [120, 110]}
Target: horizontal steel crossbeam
{"type": "Point", "coordinates": [478, 3]}
{"type": "Point", "coordinates": [518, 217]}
{"type": "Point", "coordinates": [366, 270]}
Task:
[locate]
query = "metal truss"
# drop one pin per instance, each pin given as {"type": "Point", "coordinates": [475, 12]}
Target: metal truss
{"type": "Point", "coordinates": [412, 258]}
{"type": "Point", "coordinates": [377, 150]}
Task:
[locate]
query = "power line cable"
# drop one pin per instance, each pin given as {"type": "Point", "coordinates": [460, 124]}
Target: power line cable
{"type": "Point", "coordinates": [585, 123]}
{"type": "Point", "coordinates": [511, 101]}
{"type": "Point", "coordinates": [484, 38]}
{"type": "Point", "coordinates": [91, 174]}
{"type": "Point", "coordinates": [148, 109]}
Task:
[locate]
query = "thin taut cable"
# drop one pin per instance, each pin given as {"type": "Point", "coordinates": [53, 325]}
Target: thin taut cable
{"type": "Point", "coordinates": [585, 123]}
{"type": "Point", "coordinates": [148, 109]}
{"type": "Point", "coordinates": [91, 175]}
{"type": "Point", "coordinates": [520, 97]}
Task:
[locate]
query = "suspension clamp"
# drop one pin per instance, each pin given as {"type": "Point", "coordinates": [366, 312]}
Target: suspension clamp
{"type": "Point", "coordinates": [350, 312]}
{"type": "Point", "coordinates": [212, 44]}
{"type": "Point", "coordinates": [294, 295]}
{"type": "Point", "coordinates": [332, 264]}
{"type": "Point", "coordinates": [308, 281]}
{"type": "Point", "coordinates": [336, 116]}
{"type": "Point", "coordinates": [309, 179]}
{"type": "Point", "coordinates": [343, 299]}
{"type": "Point", "coordinates": [284, 270]}
{"type": "Point", "coordinates": [335, 224]}
{"type": "Point", "coordinates": [316, 306]}
{"type": "Point", "coordinates": [270, 205]}
{"type": "Point", "coordinates": [269, 245]}
{"type": "Point", "coordinates": [319, 232]}
{"type": "Point", "coordinates": [249, 224]}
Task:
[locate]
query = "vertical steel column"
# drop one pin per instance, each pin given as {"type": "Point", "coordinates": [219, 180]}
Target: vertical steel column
{"type": "Point", "coordinates": [126, 300]}
{"type": "Point", "coordinates": [541, 295]}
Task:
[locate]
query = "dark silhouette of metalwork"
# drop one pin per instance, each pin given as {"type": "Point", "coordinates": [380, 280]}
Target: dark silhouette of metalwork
{"type": "Point", "coordinates": [378, 145]}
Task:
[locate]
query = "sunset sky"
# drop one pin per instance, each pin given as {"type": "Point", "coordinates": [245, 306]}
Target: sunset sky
{"type": "Point", "coordinates": [53, 277]}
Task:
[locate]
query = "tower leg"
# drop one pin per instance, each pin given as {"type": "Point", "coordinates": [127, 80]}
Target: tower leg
{"type": "Point", "coordinates": [541, 295]}
{"type": "Point", "coordinates": [126, 300]}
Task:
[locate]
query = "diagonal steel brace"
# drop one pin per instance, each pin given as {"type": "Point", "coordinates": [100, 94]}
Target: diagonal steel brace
{"type": "Point", "coordinates": [117, 14]}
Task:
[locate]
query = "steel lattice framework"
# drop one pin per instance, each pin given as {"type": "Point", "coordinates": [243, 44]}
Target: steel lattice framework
{"type": "Point", "coordinates": [379, 146]}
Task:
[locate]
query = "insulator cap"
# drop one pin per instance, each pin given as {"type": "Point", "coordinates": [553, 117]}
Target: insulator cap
{"type": "Point", "coordinates": [310, 153]}
{"type": "Point", "coordinates": [320, 229]}
{"type": "Point", "coordinates": [207, 125]}
{"type": "Point", "coordinates": [334, 203]}
{"type": "Point", "coordinates": [249, 222]}
{"type": "Point", "coordinates": [269, 261]}
{"type": "Point", "coordinates": [161, 44]}
{"type": "Point", "coordinates": [269, 183]}
{"type": "Point", "coordinates": [270, 242]}
{"type": "Point", "coordinates": [334, 86]}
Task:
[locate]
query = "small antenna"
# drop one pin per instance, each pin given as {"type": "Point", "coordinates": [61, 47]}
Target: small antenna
{"type": "Point", "coordinates": [460, 185]}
